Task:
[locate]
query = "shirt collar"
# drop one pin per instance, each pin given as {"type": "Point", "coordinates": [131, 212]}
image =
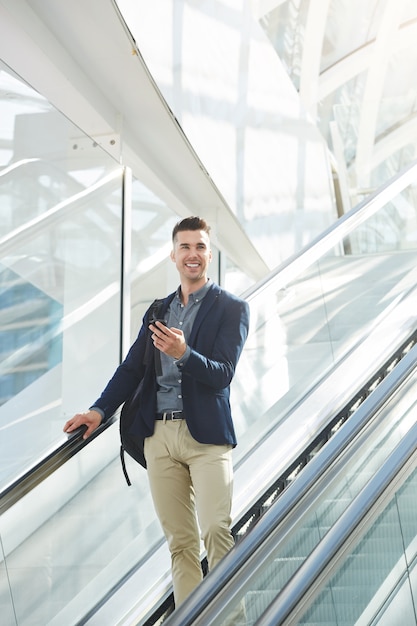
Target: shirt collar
{"type": "Point", "coordinates": [196, 296]}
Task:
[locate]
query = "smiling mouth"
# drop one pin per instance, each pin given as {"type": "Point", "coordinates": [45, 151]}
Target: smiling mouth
{"type": "Point", "coordinates": [192, 265]}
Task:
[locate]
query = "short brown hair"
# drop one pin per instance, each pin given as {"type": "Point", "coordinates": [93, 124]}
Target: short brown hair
{"type": "Point", "coordinates": [190, 223]}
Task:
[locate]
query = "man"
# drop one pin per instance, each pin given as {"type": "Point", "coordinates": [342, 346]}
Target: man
{"type": "Point", "coordinates": [184, 417]}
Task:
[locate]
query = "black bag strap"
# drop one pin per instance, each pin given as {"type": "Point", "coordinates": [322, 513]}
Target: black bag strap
{"type": "Point", "coordinates": [122, 460]}
{"type": "Point", "coordinates": [154, 313]}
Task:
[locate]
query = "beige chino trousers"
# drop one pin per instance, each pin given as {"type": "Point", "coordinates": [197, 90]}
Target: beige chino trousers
{"type": "Point", "coordinates": [191, 485]}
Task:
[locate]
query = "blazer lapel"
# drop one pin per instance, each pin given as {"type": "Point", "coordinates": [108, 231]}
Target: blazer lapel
{"type": "Point", "coordinates": [208, 301]}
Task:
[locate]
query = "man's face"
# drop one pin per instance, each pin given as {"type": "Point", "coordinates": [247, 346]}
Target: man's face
{"type": "Point", "coordinates": [192, 255]}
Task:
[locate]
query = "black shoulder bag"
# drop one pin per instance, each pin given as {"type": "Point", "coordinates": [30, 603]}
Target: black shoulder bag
{"type": "Point", "coordinates": [129, 410]}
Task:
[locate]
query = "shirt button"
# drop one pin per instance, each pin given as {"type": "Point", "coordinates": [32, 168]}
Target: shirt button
{"type": "Point", "coordinates": [179, 395]}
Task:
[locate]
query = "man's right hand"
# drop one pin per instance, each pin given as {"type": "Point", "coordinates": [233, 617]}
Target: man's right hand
{"type": "Point", "coordinates": [91, 419]}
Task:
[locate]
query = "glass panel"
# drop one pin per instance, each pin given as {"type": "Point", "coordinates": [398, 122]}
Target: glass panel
{"type": "Point", "coordinates": [152, 223]}
{"type": "Point", "coordinates": [413, 582]}
{"type": "Point", "coordinates": [372, 572]}
{"type": "Point", "coordinates": [301, 330]}
{"type": "Point", "coordinates": [7, 611]}
{"type": "Point", "coordinates": [83, 549]}
{"type": "Point", "coordinates": [285, 26]}
{"type": "Point", "coordinates": [60, 234]}
{"type": "Point", "coordinates": [345, 33]}
{"type": "Point", "coordinates": [343, 105]}
{"type": "Point", "coordinates": [396, 528]}
{"type": "Point", "coordinates": [398, 101]}
{"type": "Point", "coordinates": [401, 607]}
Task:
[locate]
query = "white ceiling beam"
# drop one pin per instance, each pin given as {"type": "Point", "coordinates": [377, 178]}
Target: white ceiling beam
{"type": "Point", "coordinates": [312, 53]}
{"type": "Point", "coordinates": [385, 43]}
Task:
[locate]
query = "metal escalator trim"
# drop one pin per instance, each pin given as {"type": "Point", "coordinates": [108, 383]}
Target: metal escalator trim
{"type": "Point", "coordinates": [239, 556]}
{"type": "Point", "coordinates": [296, 595]}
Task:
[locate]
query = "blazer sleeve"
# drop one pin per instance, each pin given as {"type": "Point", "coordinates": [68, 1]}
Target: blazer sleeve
{"type": "Point", "coordinates": [218, 345]}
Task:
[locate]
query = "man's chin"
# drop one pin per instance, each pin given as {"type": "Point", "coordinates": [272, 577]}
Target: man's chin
{"type": "Point", "coordinates": [194, 276]}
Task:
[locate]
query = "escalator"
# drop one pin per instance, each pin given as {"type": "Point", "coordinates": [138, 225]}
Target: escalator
{"type": "Point", "coordinates": [323, 324]}
{"type": "Point", "coordinates": [339, 547]}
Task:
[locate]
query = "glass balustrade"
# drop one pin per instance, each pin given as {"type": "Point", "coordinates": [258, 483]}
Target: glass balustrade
{"type": "Point", "coordinates": [375, 581]}
{"type": "Point", "coordinates": [370, 571]}
{"type": "Point", "coordinates": [60, 271]}
{"type": "Point", "coordinates": [302, 327]}
{"type": "Point", "coordinates": [8, 615]}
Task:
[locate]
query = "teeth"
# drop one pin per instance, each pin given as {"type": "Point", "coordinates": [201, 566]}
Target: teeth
{"type": "Point", "coordinates": [192, 264]}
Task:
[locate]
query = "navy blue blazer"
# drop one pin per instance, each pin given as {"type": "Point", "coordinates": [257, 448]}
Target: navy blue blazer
{"type": "Point", "coordinates": [217, 339]}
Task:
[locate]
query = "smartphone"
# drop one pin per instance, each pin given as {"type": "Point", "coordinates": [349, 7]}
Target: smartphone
{"type": "Point", "coordinates": [158, 320]}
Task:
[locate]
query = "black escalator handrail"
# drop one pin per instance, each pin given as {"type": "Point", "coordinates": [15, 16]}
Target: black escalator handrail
{"type": "Point", "coordinates": [292, 267]}
{"type": "Point", "coordinates": [298, 593]}
{"type": "Point", "coordinates": [217, 580]}
{"type": "Point", "coordinates": [45, 466]}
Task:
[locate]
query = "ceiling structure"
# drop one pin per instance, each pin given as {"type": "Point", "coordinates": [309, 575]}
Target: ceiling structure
{"type": "Point", "coordinates": [351, 63]}
{"type": "Point", "coordinates": [354, 64]}
{"type": "Point", "coordinates": [97, 78]}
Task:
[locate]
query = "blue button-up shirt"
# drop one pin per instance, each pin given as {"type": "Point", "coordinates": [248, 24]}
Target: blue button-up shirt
{"type": "Point", "coordinates": [169, 396]}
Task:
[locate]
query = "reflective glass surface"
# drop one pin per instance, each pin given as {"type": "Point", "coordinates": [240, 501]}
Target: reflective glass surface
{"type": "Point", "coordinates": [375, 571]}
{"type": "Point", "coordinates": [227, 88]}
{"type": "Point", "coordinates": [301, 329]}
{"type": "Point", "coordinates": [345, 33]}
{"type": "Point", "coordinates": [353, 63]}
{"type": "Point", "coordinates": [376, 564]}
{"type": "Point", "coordinates": [285, 25]}
{"type": "Point", "coordinates": [6, 600]}
{"type": "Point", "coordinates": [71, 541]}
{"type": "Point", "coordinates": [60, 264]}
{"type": "Point", "coordinates": [343, 106]}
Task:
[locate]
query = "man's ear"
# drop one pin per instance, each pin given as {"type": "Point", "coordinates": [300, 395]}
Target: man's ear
{"type": "Point", "coordinates": [172, 256]}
